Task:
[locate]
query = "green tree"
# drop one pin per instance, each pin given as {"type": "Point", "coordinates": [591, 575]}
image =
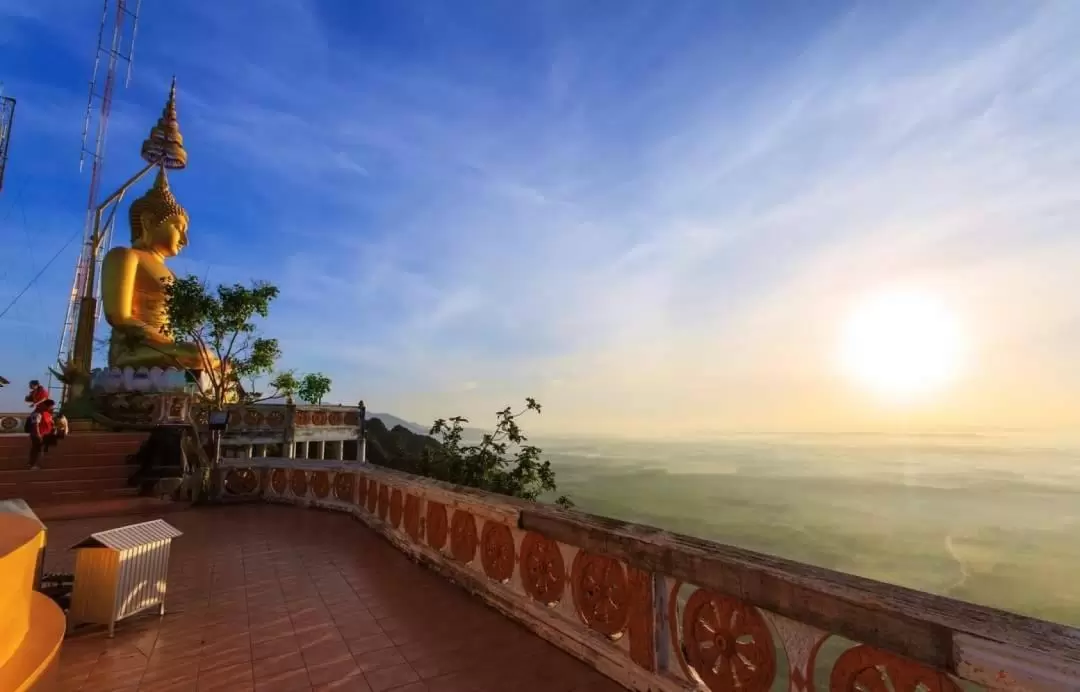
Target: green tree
{"type": "Point", "coordinates": [222, 323]}
{"type": "Point", "coordinates": [313, 387]}
{"type": "Point", "coordinates": [502, 462]}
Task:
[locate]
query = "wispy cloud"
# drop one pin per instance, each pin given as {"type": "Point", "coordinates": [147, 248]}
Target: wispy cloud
{"type": "Point", "coordinates": [652, 220]}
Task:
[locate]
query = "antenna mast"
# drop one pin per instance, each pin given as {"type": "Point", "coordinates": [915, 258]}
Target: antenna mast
{"type": "Point", "coordinates": [7, 117]}
{"type": "Point", "coordinates": [117, 30]}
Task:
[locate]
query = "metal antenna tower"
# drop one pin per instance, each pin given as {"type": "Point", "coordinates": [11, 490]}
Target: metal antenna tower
{"type": "Point", "coordinates": [7, 117]}
{"type": "Point", "coordinates": [117, 31]}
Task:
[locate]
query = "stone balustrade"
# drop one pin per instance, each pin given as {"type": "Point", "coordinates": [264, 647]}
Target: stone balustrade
{"type": "Point", "coordinates": [313, 432]}
{"type": "Point", "coordinates": [660, 611]}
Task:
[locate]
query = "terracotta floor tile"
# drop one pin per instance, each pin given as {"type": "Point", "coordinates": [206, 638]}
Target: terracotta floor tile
{"type": "Point", "coordinates": [287, 681]}
{"type": "Point", "coordinates": [338, 671]}
{"type": "Point", "coordinates": [382, 658]}
{"type": "Point", "coordinates": [274, 665]}
{"type": "Point", "coordinates": [275, 647]}
{"type": "Point", "coordinates": [389, 678]}
{"type": "Point", "coordinates": [325, 652]}
{"type": "Point", "coordinates": [366, 644]}
{"type": "Point", "coordinates": [286, 599]}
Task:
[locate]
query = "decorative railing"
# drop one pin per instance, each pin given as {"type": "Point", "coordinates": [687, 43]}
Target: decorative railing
{"type": "Point", "coordinates": [294, 431]}
{"type": "Point", "coordinates": [661, 611]}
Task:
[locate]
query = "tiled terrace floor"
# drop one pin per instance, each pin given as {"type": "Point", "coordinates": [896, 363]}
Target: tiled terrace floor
{"type": "Point", "coordinates": [280, 598]}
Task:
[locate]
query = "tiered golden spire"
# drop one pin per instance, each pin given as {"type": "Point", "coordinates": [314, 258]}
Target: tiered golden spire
{"type": "Point", "coordinates": [165, 145]}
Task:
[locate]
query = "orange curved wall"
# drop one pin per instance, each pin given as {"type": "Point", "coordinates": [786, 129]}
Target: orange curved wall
{"type": "Point", "coordinates": [31, 626]}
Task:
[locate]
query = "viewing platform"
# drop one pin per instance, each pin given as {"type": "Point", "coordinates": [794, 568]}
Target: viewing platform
{"type": "Point", "coordinates": [266, 592]}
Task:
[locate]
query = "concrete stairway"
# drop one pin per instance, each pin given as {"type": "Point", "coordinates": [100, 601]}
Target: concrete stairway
{"type": "Point", "coordinates": [87, 466]}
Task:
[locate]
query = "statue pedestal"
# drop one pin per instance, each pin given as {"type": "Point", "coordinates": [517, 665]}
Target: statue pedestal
{"type": "Point", "coordinates": [136, 398]}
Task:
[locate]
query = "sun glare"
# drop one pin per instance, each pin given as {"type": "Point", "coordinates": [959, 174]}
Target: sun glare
{"type": "Point", "coordinates": [902, 345]}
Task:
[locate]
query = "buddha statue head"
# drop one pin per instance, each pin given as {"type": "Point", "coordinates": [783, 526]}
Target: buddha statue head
{"type": "Point", "coordinates": [158, 222]}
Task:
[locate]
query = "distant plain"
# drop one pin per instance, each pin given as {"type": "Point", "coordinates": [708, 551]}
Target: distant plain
{"type": "Point", "coordinates": [991, 518]}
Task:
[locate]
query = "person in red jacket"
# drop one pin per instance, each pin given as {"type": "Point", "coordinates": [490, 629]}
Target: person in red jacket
{"type": "Point", "coordinates": [37, 394]}
{"type": "Point", "coordinates": [41, 429]}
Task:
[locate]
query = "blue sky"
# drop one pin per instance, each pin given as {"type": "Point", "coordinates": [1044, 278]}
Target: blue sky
{"type": "Point", "coordinates": [652, 216]}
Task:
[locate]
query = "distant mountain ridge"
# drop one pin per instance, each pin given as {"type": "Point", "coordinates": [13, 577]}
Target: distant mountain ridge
{"type": "Point", "coordinates": [391, 421]}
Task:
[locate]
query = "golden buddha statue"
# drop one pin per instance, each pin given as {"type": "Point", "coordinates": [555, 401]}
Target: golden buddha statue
{"type": "Point", "coordinates": [133, 278]}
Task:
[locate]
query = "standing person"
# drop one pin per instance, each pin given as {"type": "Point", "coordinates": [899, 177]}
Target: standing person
{"type": "Point", "coordinates": [40, 427]}
{"type": "Point", "coordinates": [37, 394]}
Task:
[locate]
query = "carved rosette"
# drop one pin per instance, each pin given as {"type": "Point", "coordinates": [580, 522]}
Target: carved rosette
{"type": "Point", "coordinates": [412, 517]}
{"type": "Point", "coordinates": [601, 594]}
{"type": "Point", "coordinates": [278, 481]}
{"type": "Point", "coordinates": [253, 418]}
{"type": "Point", "coordinates": [8, 424]}
{"type": "Point", "coordinates": [384, 500]}
{"type": "Point", "coordinates": [463, 538]}
{"type": "Point", "coordinates": [344, 486]}
{"type": "Point", "coordinates": [275, 419]}
{"type": "Point", "coordinates": [372, 495]}
{"type": "Point", "coordinates": [320, 484]}
{"type": "Point", "coordinates": [726, 642]}
{"type": "Point", "coordinates": [334, 418]}
{"type": "Point", "coordinates": [497, 551]}
{"type": "Point", "coordinates": [352, 418]}
{"type": "Point", "coordinates": [241, 481]}
{"type": "Point", "coordinates": [543, 570]}
{"type": "Point", "coordinates": [298, 481]}
{"type": "Point", "coordinates": [318, 418]}
{"type": "Point", "coordinates": [395, 508]}
{"type": "Point", "coordinates": [640, 626]}
{"type": "Point", "coordinates": [867, 669]}
{"type": "Point", "coordinates": [302, 418]}
{"type": "Point", "coordinates": [436, 525]}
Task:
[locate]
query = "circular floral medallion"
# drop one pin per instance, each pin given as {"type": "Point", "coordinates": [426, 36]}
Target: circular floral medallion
{"type": "Point", "coordinates": [275, 419]}
{"type": "Point", "coordinates": [463, 538]}
{"type": "Point", "coordinates": [278, 481]}
{"type": "Point", "coordinates": [334, 418]}
{"type": "Point", "coordinates": [253, 418]}
{"type": "Point", "coordinates": [8, 423]}
{"type": "Point", "coordinates": [344, 486]}
{"type": "Point", "coordinates": [395, 508]}
{"type": "Point", "coordinates": [543, 572]}
{"type": "Point", "coordinates": [412, 517]}
{"type": "Point", "coordinates": [384, 500]}
{"type": "Point", "coordinates": [302, 418]}
{"type": "Point", "coordinates": [318, 418]}
{"type": "Point", "coordinates": [600, 591]}
{"type": "Point", "coordinates": [497, 551]}
{"type": "Point", "coordinates": [436, 524]}
{"type": "Point", "coordinates": [298, 482]}
{"type": "Point", "coordinates": [241, 481]}
{"type": "Point", "coordinates": [866, 669]}
{"type": "Point", "coordinates": [728, 643]}
{"type": "Point", "coordinates": [320, 484]}
{"type": "Point", "coordinates": [352, 418]}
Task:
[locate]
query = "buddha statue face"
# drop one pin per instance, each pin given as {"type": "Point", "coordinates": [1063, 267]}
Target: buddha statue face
{"type": "Point", "coordinates": [166, 237]}
{"type": "Point", "coordinates": [158, 222]}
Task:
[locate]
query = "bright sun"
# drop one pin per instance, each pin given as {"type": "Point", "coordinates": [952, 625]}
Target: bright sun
{"type": "Point", "coordinates": [902, 345]}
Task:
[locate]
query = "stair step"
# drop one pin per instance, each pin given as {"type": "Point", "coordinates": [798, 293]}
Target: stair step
{"type": "Point", "coordinates": [38, 497]}
{"type": "Point", "coordinates": [57, 461]}
{"type": "Point", "coordinates": [104, 507]}
{"type": "Point", "coordinates": [44, 488]}
{"type": "Point", "coordinates": [74, 473]}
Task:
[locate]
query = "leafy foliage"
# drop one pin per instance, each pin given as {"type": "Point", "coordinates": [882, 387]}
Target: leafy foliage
{"type": "Point", "coordinates": [313, 387]}
{"type": "Point", "coordinates": [222, 324]}
{"type": "Point", "coordinates": [502, 462]}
